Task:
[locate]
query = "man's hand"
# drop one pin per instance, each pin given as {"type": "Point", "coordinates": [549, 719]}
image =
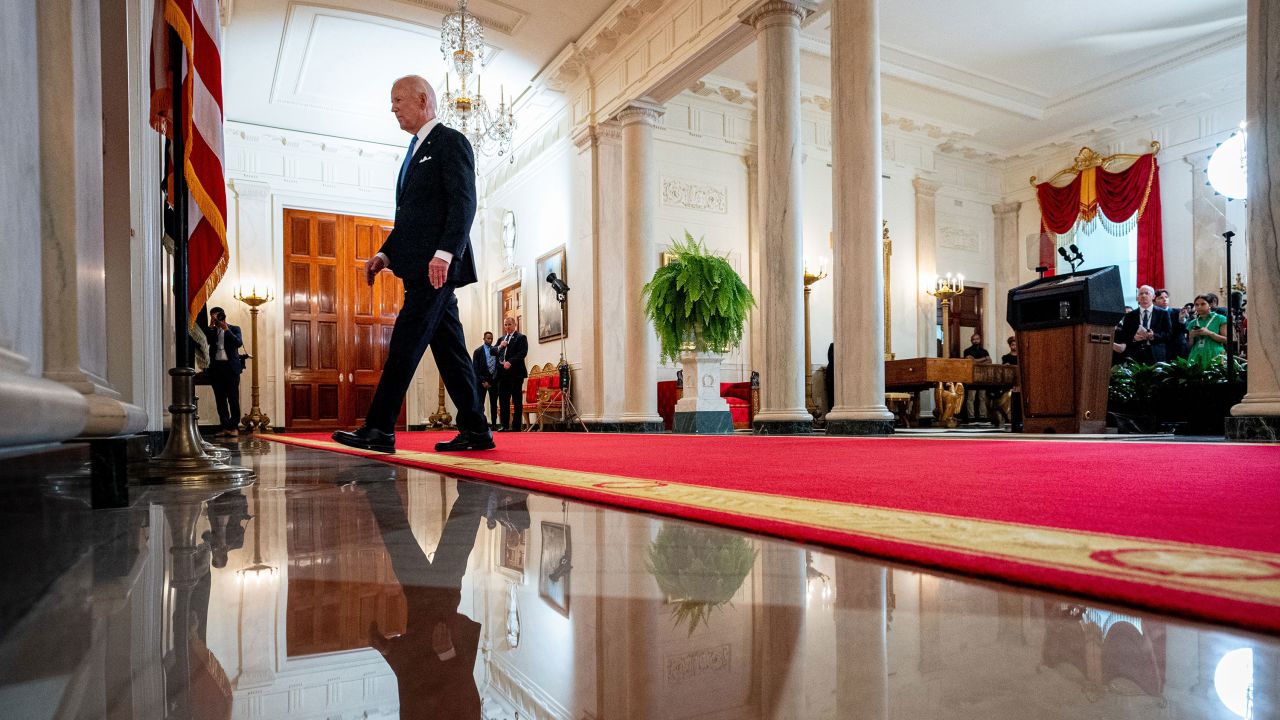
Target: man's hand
{"type": "Point", "coordinates": [372, 267]}
{"type": "Point", "coordinates": [438, 271]}
{"type": "Point", "coordinates": [506, 365]}
{"type": "Point", "coordinates": [484, 384]}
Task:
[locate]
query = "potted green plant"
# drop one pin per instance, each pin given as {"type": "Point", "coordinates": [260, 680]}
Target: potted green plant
{"type": "Point", "coordinates": [699, 569]}
{"type": "Point", "coordinates": [698, 305]}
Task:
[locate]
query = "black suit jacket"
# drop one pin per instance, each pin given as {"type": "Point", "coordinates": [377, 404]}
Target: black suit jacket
{"type": "Point", "coordinates": [1149, 351]}
{"type": "Point", "coordinates": [434, 209]}
{"type": "Point", "coordinates": [482, 366]}
{"type": "Point", "coordinates": [514, 353]}
{"type": "Point", "coordinates": [232, 338]}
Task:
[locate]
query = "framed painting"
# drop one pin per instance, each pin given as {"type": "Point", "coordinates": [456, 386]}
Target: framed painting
{"type": "Point", "coordinates": [555, 566]}
{"type": "Point", "coordinates": [553, 321]}
{"type": "Point", "coordinates": [512, 546]}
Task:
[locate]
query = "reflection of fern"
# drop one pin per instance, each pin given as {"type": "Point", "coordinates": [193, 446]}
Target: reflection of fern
{"type": "Point", "coordinates": [697, 299]}
{"type": "Point", "coordinates": [699, 569]}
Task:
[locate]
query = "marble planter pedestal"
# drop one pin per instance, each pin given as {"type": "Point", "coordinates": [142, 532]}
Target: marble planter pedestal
{"type": "Point", "coordinates": [701, 410]}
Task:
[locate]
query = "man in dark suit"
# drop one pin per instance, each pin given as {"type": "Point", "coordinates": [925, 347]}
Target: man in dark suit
{"type": "Point", "coordinates": [485, 362]}
{"type": "Point", "coordinates": [1144, 331]}
{"type": "Point", "coordinates": [224, 370]}
{"type": "Point", "coordinates": [1176, 344]}
{"type": "Point", "coordinates": [430, 250]}
{"type": "Point", "coordinates": [512, 348]}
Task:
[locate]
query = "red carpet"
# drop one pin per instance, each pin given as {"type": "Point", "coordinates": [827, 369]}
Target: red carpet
{"type": "Point", "coordinates": [1190, 529]}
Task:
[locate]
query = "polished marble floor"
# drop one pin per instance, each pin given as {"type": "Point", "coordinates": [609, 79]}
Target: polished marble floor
{"type": "Point", "coordinates": [337, 587]}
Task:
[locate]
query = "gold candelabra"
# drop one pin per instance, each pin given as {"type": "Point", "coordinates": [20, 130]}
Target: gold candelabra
{"type": "Point", "coordinates": [255, 420]}
{"type": "Point", "coordinates": [809, 279]}
{"type": "Point", "coordinates": [945, 288]}
{"type": "Point", "coordinates": [441, 418]}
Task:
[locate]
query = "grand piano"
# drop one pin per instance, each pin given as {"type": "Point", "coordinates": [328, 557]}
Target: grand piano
{"type": "Point", "coordinates": [912, 375]}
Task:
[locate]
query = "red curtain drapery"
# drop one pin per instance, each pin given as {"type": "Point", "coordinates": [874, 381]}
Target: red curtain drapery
{"type": "Point", "coordinates": [1119, 195]}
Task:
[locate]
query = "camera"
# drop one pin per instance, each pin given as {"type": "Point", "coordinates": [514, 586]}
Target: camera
{"type": "Point", "coordinates": [557, 284]}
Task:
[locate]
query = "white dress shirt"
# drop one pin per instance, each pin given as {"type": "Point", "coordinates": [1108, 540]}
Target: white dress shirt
{"type": "Point", "coordinates": [422, 134]}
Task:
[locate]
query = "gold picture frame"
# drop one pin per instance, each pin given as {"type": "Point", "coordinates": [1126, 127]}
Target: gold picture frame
{"type": "Point", "coordinates": [553, 320]}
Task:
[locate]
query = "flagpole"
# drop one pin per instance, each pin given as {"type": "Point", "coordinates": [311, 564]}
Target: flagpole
{"type": "Point", "coordinates": [184, 460]}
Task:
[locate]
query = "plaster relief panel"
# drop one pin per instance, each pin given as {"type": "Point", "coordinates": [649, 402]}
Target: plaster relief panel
{"type": "Point", "coordinates": [694, 196]}
{"type": "Point", "coordinates": [961, 233]}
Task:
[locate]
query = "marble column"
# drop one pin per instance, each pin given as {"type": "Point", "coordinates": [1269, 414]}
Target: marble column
{"type": "Point", "coordinates": [73, 257]}
{"type": "Point", "coordinates": [926, 264]}
{"type": "Point", "coordinates": [858, 259]}
{"type": "Point", "coordinates": [781, 297]}
{"type": "Point", "coordinates": [640, 197]}
{"type": "Point", "coordinates": [1258, 416]}
{"type": "Point", "coordinates": [599, 223]}
{"type": "Point", "coordinates": [778, 643]}
{"type": "Point", "coordinates": [1208, 222]}
{"type": "Point", "coordinates": [755, 275]}
{"type": "Point", "coordinates": [36, 410]}
{"type": "Point", "coordinates": [862, 621]}
{"type": "Point", "coordinates": [1007, 256]}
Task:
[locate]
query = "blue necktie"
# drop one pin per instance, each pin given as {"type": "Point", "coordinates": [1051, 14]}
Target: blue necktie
{"type": "Point", "coordinates": [404, 166]}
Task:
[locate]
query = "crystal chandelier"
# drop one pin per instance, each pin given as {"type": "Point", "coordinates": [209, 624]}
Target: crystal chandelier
{"type": "Point", "coordinates": [466, 110]}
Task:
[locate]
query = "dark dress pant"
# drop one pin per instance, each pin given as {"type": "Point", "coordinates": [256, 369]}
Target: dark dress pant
{"type": "Point", "coordinates": [510, 402]}
{"type": "Point", "coordinates": [225, 381]}
{"type": "Point", "coordinates": [427, 317]}
{"type": "Point", "coordinates": [495, 420]}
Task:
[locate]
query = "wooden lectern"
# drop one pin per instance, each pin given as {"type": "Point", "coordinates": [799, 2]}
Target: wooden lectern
{"type": "Point", "coordinates": [1064, 325]}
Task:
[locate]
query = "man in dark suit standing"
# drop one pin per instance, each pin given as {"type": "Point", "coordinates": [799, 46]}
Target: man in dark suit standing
{"type": "Point", "coordinates": [224, 371]}
{"type": "Point", "coordinates": [485, 362]}
{"type": "Point", "coordinates": [430, 250]}
{"type": "Point", "coordinates": [512, 348]}
{"type": "Point", "coordinates": [1144, 331]}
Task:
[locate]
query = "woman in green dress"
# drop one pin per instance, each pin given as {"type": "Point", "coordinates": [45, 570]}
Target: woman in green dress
{"type": "Point", "coordinates": [1205, 333]}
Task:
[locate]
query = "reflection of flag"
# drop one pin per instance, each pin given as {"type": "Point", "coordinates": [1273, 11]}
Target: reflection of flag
{"type": "Point", "coordinates": [197, 24]}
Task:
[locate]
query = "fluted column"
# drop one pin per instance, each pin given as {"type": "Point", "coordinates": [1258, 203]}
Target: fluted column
{"type": "Point", "coordinates": [856, 199]}
{"type": "Point", "coordinates": [1258, 417]}
{"type": "Point", "coordinates": [782, 374]}
{"type": "Point", "coordinates": [756, 273]}
{"type": "Point", "coordinates": [1006, 264]}
{"type": "Point", "coordinates": [926, 262]}
{"type": "Point", "coordinates": [640, 403]}
{"type": "Point", "coordinates": [1208, 221]}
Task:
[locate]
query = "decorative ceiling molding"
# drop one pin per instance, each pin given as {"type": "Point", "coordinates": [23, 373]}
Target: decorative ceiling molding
{"type": "Point", "coordinates": [916, 68]}
{"type": "Point", "coordinates": [1223, 40]}
{"type": "Point", "coordinates": [731, 91]}
{"type": "Point", "coordinates": [494, 15]}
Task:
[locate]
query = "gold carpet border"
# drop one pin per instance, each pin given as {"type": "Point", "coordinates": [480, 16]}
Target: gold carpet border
{"type": "Point", "coordinates": [1208, 570]}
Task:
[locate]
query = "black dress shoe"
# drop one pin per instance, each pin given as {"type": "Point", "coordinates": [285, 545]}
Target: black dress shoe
{"type": "Point", "coordinates": [367, 438]}
{"type": "Point", "coordinates": [467, 441]}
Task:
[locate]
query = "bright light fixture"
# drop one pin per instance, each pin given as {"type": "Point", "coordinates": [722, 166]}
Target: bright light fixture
{"type": "Point", "coordinates": [1227, 167]}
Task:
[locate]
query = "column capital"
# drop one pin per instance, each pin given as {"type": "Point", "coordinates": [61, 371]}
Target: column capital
{"type": "Point", "coordinates": [765, 11]}
{"type": "Point", "coordinates": [1006, 208]}
{"type": "Point", "coordinates": [597, 134]}
{"type": "Point", "coordinates": [925, 186]}
{"type": "Point", "coordinates": [641, 111]}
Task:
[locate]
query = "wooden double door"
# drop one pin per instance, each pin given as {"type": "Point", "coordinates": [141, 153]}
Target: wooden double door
{"type": "Point", "coordinates": [336, 327]}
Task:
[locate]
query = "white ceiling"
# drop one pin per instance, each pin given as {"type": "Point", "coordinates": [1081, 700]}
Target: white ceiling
{"type": "Point", "coordinates": [1000, 76]}
{"type": "Point", "coordinates": [326, 66]}
{"type": "Point", "coordinates": [1006, 76]}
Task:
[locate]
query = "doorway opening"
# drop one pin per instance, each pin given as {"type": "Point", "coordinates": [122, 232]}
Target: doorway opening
{"type": "Point", "coordinates": [336, 327]}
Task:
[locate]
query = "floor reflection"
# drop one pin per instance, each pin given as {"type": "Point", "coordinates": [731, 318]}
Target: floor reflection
{"type": "Point", "coordinates": [342, 587]}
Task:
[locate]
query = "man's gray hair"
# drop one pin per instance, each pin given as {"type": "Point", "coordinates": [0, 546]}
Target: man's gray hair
{"type": "Point", "coordinates": [420, 84]}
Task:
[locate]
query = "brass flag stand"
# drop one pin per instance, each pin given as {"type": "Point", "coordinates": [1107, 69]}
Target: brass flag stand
{"type": "Point", "coordinates": [184, 460]}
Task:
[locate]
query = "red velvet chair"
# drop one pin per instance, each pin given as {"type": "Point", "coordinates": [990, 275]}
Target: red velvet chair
{"type": "Point", "coordinates": [743, 399]}
{"type": "Point", "coordinates": [542, 395]}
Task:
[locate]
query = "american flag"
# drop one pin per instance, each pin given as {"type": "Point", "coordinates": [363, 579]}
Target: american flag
{"type": "Point", "coordinates": [197, 23]}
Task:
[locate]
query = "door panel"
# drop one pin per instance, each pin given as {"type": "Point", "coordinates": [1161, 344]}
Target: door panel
{"type": "Point", "coordinates": [336, 326]}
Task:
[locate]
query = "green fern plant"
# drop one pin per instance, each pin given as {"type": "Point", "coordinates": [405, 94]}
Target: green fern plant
{"type": "Point", "coordinates": [699, 569]}
{"type": "Point", "coordinates": [696, 301]}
